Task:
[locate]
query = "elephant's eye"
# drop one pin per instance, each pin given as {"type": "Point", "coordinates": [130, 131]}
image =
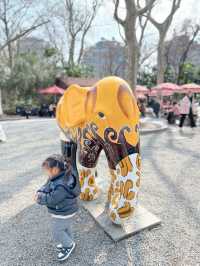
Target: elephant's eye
{"type": "Point", "coordinates": [101, 115]}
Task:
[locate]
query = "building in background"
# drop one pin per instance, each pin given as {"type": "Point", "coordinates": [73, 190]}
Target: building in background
{"type": "Point", "coordinates": [175, 48]}
{"type": "Point", "coordinates": [32, 45]}
{"type": "Point", "coordinates": [106, 57]}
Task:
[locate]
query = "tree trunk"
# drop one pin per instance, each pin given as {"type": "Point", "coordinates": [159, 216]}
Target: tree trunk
{"type": "Point", "coordinates": [132, 63]}
{"type": "Point", "coordinates": [71, 52]}
{"type": "Point", "coordinates": [180, 70]}
{"type": "Point", "coordinates": [1, 109]}
{"type": "Point", "coordinates": [82, 47]}
{"type": "Point", "coordinates": [133, 51]}
{"type": "Point", "coordinates": [185, 54]}
{"type": "Point", "coordinates": [10, 56]}
{"type": "Point", "coordinates": [161, 60]}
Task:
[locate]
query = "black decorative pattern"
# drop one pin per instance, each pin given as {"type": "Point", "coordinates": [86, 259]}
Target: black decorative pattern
{"type": "Point", "coordinates": [114, 145]}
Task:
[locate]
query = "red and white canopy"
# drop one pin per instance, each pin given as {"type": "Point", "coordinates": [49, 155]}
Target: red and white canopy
{"type": "Point", "coordinates": [52, 90]}
{"type": "Point", "coordinates": [191, 87]}
{"type": "Point", "coordinates": [155, 92]}
{"type": "Point", "coordinates": [167, 87]}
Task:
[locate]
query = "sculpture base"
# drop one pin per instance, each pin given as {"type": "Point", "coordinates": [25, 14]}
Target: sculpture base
{"type": "Point", "coordinates": [142, 219]}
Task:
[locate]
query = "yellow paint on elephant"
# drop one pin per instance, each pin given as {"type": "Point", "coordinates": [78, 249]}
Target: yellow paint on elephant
{"type": "Point", "coordinates": [138, 162]}
{"type": "Point", "coordinates": [128, 185]}
{"type": "Point", "coordinates": [104, 113]}
{"type": "Point", "coordinates": [115, 200]}
{"type": "Point", "coordinates": [125, 166]}
{"type": "Point", "coordinates": [113, 216]}
{"type": "Point", "coordinates": [110, 103]}
{"type": "Point", "coordinates": [89, 189]}
{"type": "Point", "coordinates": [138, 182]}
{"type": "Point", "coordinates": [123, 200]}
{"type": "Point", "coordinates": [113, 176]}
{"type": "Point", "coordinates": [85, 173]}
{"type": "Point", "coordinates": [81, 180]}
{"type": "Point", "coordinates": [91, 181]}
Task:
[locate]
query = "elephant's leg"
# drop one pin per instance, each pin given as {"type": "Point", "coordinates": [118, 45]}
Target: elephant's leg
{"type": "Point", "coordinates": [123, 192]}
{"type": "Point", "coordinates": [89, 189]}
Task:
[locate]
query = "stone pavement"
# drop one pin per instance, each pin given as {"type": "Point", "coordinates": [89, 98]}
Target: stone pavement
{"type": "Point", "coordinates": [170, 189]}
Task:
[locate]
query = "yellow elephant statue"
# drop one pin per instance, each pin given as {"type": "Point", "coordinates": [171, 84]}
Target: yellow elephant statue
{"type": "Point", "coordinates": [105, 116]}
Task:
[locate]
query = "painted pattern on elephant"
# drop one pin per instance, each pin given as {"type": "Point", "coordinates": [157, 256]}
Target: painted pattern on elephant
{"type": "Point", "coordinates": [124, 187]}
{"type": "Point", "coordinates": [105, 117]}
{"type": "Point", "coordinates": [89, 189]}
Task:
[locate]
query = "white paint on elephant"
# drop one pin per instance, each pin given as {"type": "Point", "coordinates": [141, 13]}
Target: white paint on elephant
{"type": "Point", "coordinates": [130, 176]}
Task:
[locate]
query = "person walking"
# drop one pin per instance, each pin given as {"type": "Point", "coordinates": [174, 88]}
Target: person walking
{"type": "Point", "coordinates": [156, 107]}
{"type": "Point", "coordinates": [173, 113]}
{"type": "Point", "coordinates": [59, 194]}
{"type": "Point", "coordinates": [186, 109]}
{"type": "Point", "coordinates": [51, 110]}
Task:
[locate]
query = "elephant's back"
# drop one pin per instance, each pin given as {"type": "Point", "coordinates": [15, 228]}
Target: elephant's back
{"type": "Point", "coordinates": [108, 89]}
{"type": "Point", "coordinates": [112, 81]}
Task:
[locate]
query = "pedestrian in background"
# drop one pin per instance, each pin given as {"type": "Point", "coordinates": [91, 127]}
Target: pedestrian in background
{"type": "Point", "coordinates": [173, 113]}
{"type": "Point", "coordinates": [186, 109]}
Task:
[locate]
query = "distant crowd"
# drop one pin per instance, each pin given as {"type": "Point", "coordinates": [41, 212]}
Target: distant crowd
{"type": "Point", "coordinates": [173, 111]}
{"type": "Point", "coordinates": [45, 110]}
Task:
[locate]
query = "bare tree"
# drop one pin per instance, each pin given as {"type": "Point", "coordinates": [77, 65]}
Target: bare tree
{"type": "Point", "coordinates": [145, 53]}
{"type": "Point", "coordinates": [13, 18]}
{"type": "Point", "coordinates": [195, 29]}
{"type": "Point", "coordinates": [182, 47]}
{"type": "Point", "coordinates": [113, 59]}
{"type": "Point", "coordinates": [77, 19]}
{"type": "Point", "coordinates": [129, 24]}
{"type": "Point", "coordinates": [56, 40]}
{"type": "Point", "coordinates": [20, 35]}
{"type": "Point", "coordinates": [163, 28]}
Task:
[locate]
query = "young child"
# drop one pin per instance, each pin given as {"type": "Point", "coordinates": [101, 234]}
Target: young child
{"type": "Point", "coordinates": [60, 194]}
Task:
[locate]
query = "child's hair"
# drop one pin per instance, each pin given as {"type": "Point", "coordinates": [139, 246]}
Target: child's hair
{"type": "Point", "coordinates": [55, 160]}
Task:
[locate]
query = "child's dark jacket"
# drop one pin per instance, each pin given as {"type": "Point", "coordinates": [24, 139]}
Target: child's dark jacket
{"type": "Point", "coordinates": [60, 194]}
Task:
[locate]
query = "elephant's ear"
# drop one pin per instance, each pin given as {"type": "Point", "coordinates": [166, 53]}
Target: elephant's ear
{"type": "Point", "coordinates": [128, 103]}
{"type": "Point", "coordinates": [59, 116]}
{"type": "Point", "coordinates": [73, 106]}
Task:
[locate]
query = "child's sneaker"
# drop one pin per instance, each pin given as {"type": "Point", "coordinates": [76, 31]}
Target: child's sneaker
{"type": "Point", "coordinates": [59, 247]}
{"type": "Point", "coordinates": [65, 252]}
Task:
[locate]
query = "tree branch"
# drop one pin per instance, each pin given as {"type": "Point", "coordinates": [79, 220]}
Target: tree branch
{"type": "Point", "coordinates": [25, 32]}
{"type": "Point", "coordinates": [147, 56]}
{"type": "Point", "coordinates": [117, 18]}
{"type": "Point", "coordinates": [148, 6]}
{"type": "Point", "coordinates": [166, 23]}
{"type": "Point", "coordinates": [143, 26]}
{"type": "Point", "coordinates": [184, 55]}
{"type": "Point", "coordinates": [86, 28]}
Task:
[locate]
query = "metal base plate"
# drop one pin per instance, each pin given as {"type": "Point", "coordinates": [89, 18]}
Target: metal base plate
{"type": "Point", "coordinates": [141, 220]}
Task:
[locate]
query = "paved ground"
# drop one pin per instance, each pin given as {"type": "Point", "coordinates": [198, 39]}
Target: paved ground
{"type": "Point", "coordinates": [170, 189]}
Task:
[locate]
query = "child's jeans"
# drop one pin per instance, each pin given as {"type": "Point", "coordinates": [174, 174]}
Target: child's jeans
{"type": "Point", "coordinates": [61, 228]}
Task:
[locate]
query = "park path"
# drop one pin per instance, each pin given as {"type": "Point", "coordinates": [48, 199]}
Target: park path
{"type": "Point", "coordinates": [170, 189]}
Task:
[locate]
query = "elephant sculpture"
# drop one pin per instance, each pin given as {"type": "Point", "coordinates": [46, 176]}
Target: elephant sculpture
{"type": "Point", "coordinates": [105, 116]}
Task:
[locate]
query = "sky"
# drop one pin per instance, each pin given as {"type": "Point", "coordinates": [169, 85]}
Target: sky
{"type": "Point", "coordinates": [105, 26]}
